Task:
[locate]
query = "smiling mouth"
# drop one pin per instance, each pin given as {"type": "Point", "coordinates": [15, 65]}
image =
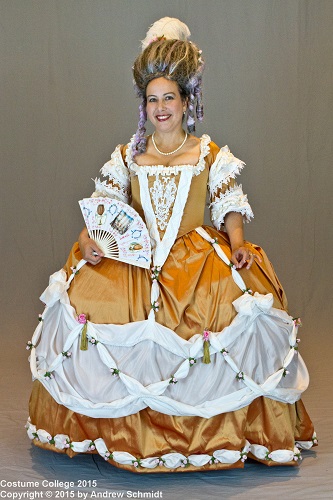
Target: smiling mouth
{"type": "Point", "coordinates": [162, 118]}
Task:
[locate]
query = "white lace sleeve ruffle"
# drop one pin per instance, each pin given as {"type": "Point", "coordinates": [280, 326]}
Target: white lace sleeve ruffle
{"type": "Point", "coordinates": [226, 167]}
{"type": "Point", "coordinates": [233, 200]}
{"type": "Point", "coordinates": [116, 182]}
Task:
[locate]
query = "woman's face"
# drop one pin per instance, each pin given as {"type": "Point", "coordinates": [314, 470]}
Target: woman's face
{"type": "Point", "coordinates": [165, 106]}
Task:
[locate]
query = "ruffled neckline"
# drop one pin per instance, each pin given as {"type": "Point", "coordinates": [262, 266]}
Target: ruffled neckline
{"type": "Point", "coordinates": [172, 169]}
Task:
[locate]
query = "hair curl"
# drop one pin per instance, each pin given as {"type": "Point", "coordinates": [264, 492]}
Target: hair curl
{"type": "Point", "coordinates": [176, 60]}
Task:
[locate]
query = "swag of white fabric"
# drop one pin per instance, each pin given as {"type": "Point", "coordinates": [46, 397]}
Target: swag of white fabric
{"type": "Point", "coordinates": [145, 364]}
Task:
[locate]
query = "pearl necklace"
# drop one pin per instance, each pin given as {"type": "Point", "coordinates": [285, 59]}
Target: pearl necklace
{"type": "Point", "coordinates": [171, 152]}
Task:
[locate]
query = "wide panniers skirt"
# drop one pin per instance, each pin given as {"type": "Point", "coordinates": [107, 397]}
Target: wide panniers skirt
{"type": "Point", "coordinates": [197, 293]}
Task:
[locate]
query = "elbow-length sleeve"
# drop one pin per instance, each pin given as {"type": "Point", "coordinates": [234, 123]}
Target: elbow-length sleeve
{"type": "Point", "coordinates": [225, 194]}
{"type": "Point", "coordinates": [115, 181]}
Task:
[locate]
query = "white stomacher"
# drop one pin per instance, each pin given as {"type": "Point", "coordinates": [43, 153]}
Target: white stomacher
{"type": "Point", "coordinates": [161, 248]}
{"type": "Point", "coordinates": [164, 193]}
{"type": "Point", "coordinates": [117, 180]}
{"type": "Point", "coordinates": [233, 200]}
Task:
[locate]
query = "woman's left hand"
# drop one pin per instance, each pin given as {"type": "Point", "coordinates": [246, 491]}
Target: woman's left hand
{"type": "Point", "coordinates": [242, 256]}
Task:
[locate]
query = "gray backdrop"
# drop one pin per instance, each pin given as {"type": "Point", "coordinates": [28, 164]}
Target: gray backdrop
{"type": "Point", "coordinates": [67, 101]}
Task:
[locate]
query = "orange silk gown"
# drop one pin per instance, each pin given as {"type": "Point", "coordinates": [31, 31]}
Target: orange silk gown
{"type": "Point", "coordinates": [196, 293]}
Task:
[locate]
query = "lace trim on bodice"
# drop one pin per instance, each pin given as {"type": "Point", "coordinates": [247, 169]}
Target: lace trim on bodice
{"type": "Point", "coordinates": [170, 170]}
{"type": "Point", "coordinates": [164, 189]}
{"type": "Point", "coordinates": [163, 194]}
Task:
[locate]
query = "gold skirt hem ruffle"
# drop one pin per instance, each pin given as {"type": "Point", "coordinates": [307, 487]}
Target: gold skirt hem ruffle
{"type": "Point", "coordinates": [150, 435]}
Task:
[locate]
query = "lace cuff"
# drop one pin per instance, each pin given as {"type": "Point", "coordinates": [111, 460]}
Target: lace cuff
{"type": "Point", "coordinates": [232, 200]}
{"type": "Point", "coordinates": [117, 180]}
{"type": "Point", "coordinates": [225, 167]}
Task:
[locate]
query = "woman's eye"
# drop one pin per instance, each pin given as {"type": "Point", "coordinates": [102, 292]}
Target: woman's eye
{"type": "Point", "coordinates": [152, 99]}
{"type": "Point", "coordinates": [169, 98]}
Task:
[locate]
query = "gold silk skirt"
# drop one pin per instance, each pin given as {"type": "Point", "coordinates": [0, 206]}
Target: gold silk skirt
{"type": "Point", "coordinates": [196, 293]}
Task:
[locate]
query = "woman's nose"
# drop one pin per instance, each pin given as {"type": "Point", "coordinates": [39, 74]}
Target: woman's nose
{"type": "Point", "coordinates": [161, 104]}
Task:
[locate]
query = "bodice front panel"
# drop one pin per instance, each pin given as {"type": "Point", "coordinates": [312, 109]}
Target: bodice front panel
{"type": "Point", "coordinates": [176, 195]}
{"type": "Point", "coordinates": [194, 209]}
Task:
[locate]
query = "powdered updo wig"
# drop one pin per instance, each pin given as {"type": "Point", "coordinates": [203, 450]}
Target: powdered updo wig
{"type": "Point", "coordinates": [167, 53]}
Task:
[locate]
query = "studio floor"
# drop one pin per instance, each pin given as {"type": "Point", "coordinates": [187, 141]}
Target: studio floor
{"type": "Point", "coordinates": [91, 477]}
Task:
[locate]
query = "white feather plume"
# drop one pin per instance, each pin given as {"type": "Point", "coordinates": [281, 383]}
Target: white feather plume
{"type": "Point", "coordinates": [169, 27]}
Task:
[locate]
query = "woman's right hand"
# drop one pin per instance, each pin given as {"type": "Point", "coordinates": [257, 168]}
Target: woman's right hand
{"type": "Point", "coordinates": [89, 250]}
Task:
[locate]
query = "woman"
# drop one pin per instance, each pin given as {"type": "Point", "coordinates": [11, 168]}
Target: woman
{"type": "Point", "coordinates": [204, 364]}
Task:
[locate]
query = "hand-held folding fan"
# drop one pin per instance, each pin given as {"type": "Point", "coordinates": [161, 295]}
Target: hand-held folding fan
{"type": "Point", "coordinates": [118, 230]}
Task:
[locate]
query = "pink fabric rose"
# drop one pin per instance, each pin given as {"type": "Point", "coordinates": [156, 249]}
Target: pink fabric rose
{"type": "Point", "coordinates": [82, 319]}
{"type": "Point", "coordinates": [206, 335]}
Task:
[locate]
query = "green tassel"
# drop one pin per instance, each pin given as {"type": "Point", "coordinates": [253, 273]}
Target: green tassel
{"type": "Point", "coordinates": [206, 355]}
{"type": "Point", "coordinates": [84, 339]}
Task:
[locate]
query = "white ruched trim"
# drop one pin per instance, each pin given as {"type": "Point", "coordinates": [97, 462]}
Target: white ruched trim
{"type": "Point", "coordinates": [170, 170]}
{"type": "Point", "coordinates": [306, 445]}
{"type": "Point", "coordinates": [169, 460]}
{"type": "Point", "coordinates": [280, 456]}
